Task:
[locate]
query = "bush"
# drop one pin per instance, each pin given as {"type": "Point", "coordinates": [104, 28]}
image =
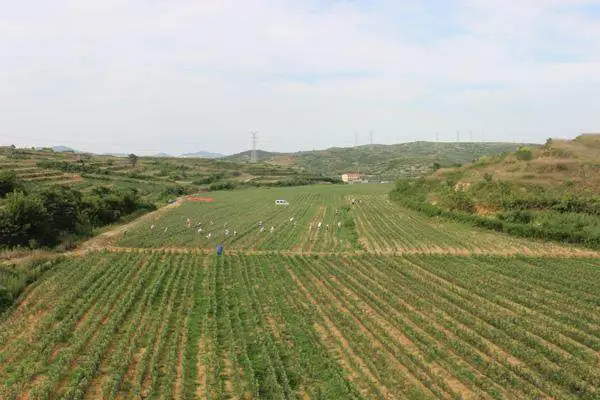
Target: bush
{"type": "Point", "coordinates": [524, 154]}
{"type": "Point", "coordinates": [8, 182]}
{"type": "Point", "coordinates": [6, 299]}
{"type": "Point", "coordinates": [57, 214]}
{"type": "Point", "coordinates": [518, 217]}
{"type": "Point", "coordinates": [222, 186]}
{"type": "Point", "coordinates": [560, 223]}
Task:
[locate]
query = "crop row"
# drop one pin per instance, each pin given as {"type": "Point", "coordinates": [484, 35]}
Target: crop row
{"type": "Point", "coordinates": [385, 226]}
{"type": "Point", "coordinates": [157, 325]}
{"type": "Point", "coordinates": [233, 219]}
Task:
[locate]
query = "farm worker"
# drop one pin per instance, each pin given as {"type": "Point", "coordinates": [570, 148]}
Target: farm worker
{"type": "Point", "coordinates": [272, 229]}
{"type": "Point", "coordinates": [188, 222]}
{"type": "Point", "coordinates": [327, 227]}
{"type": "Point", "coordinates": [339, 224]}
{"type": "Point", "coordinates": [200, 230]}
{"type": "Point", "coordinates": [211, 222]}
{"type": "Point", "coordinates": [226, 232]}
{"type": "Point", "coordinates": [166, 229]}
{"type": "Point", "coordinates": [295, 224]}
{"type": "Point", "coordinates": [209, 235]}
{"type": "Point", "coordinates": [260, 224]}
{"type": "Point", "coordinates": [152, 227]}
{"type": "Point", "coordinates": [262, 228]}
{"type": "Point", "coordinates": [319, 225]}
{"type": "Point", "coordinates": [219, 249]}
{"type": "Point", "coordinates": [291, 219]}
{"type": "Point", "coordinates": [234, 232]}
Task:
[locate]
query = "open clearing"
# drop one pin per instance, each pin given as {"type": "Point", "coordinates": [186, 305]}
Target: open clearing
{"type": "Point", "coordinates": [390, 305]}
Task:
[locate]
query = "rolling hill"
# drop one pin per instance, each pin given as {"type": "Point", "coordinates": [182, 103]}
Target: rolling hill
{"type": "Point", "coordinates": [567, 165]}
{"type": "Point", "coordinates": [381, 161]}
{"type": "Point", "coordinates": [203, 154]}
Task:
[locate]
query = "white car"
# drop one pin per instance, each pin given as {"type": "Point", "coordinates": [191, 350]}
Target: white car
{"type": "Point", "coordinates": [282, 203]}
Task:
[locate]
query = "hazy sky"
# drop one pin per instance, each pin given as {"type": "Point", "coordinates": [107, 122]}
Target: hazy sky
{"type": "Point", "coordinates": [187, 75]}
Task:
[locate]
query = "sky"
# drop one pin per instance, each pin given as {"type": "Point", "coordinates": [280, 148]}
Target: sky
{"type": "Point", "coordinates": [179, 76]}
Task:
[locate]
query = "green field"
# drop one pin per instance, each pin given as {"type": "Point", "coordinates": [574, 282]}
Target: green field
{"type": "Point", "coordinates": [391, 305]}
{"type": "Point", "coordinates": [378, 225]}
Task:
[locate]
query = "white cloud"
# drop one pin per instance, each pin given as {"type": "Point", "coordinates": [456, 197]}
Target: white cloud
{"type": "Point", "coordinates": [131, 75]}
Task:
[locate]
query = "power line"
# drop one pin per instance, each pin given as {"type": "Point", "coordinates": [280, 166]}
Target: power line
{"type": "Point", "coordinates": [355, 139]}
{"type": "Point", "coordinates": [371, 137]}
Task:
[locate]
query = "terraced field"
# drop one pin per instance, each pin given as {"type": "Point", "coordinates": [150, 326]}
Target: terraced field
{"type": "Point", "coordinates": [392, 305]}
{"type": "Point", "coordinates": [28, 171]}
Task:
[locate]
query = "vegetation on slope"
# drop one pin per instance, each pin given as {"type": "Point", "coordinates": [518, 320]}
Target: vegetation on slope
{"type": "Point", "coordinates": [56, 214]}
{"type": "Point", "coordinates": [550, 192]}
{"type": "Point", "coordinates": [156, 178]}
{"type": "Point", "coordinates": [382, 161]}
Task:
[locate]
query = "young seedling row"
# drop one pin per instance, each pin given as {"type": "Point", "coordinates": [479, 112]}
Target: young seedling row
{"type": "Point", "coordinates": [186, 326]}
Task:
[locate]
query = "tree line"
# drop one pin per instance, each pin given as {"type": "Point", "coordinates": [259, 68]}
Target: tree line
{"type": "Point", "coordinates": [51, 215]}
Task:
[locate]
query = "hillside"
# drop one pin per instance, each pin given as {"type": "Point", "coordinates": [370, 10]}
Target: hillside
{"type": "Point", "coordinates": [550, 192]}
{"type": "Point", "coordinates": [381, 161]}
{"type": "Point", "coordinates": [203, 154]}
{"type": "Point", "coordinates": [158, 178]}
{"type": "Point", "coordinates": [572, 166]}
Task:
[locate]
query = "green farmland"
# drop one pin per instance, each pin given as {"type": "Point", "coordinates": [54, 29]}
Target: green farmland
{"type": "Point", "coordinates": [388, 305]}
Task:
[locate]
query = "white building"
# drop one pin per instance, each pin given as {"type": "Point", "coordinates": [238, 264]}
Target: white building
{"type": "Point", "coordinates": [352, 177]}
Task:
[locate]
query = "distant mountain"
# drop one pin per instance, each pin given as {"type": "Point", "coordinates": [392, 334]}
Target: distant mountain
{"type": "Point", "coordinates": [203, 154]}
{"type": "Point", "coordinates": [115, 154]}
{"type": "Point", "coordinates": [262, 155]}
{"type": "Point", "coordinates": [61, 149]}
{"type": "Point", "coordinates": [58, 149]}
{"type": "Point", "coordinates": [383, 161]}
{"type": "Point", "coordinates": [161, 155]}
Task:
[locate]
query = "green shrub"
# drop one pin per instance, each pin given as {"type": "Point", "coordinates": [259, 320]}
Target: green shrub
{"type": "Point", "coordinates": [518, 216]}
{"type": "Point", "coordinates": [524, 154]}
{"type": "Point", "coordinates": [8, 182]}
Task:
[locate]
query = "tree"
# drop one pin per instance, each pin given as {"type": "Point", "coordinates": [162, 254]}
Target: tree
{"type": "Point", "coordinates": [24, 221]}
{"type": "Point", "coordinates": [133, 159]}
{"type": "Point", "coordinates": [62, 204]}
{"type": "Point", "coordinates": [8, 182]}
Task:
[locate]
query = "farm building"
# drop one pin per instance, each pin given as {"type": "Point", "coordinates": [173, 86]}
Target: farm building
{"type": "Point", "coordinates": [352, 177]}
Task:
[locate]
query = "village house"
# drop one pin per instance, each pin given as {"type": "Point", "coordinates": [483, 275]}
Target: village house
{"type": "Point", "coordinates": [352, 177]}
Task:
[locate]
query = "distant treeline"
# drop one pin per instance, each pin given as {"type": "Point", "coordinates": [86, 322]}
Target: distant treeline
{"type": "Point", "coordinates": [567, 218]}
{"type": "Point", "coordinates": [52, 215]}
